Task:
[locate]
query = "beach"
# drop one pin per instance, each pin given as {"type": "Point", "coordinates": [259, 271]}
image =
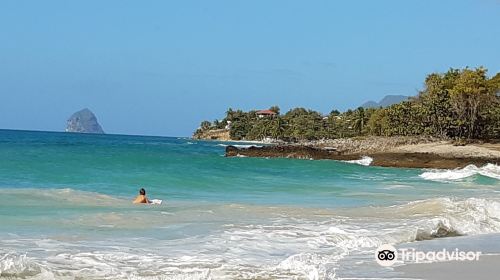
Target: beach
{"type": "Point", "coordinates": [66, 211]}
{"type": "Point", "coordinates": [486, 267]}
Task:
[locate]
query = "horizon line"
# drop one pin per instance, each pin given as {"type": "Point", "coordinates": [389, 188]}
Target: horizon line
{"type": "Point", "coordinates": [83, 133]}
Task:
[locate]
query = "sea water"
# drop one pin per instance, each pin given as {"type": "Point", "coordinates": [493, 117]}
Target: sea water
{"type": "Point", "coordinates": [66, 211]}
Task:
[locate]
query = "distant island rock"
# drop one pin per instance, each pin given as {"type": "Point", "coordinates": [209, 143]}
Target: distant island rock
{"type": "Point", "coordinates": [388, 100]}
{"type": "Point", "coordinates": [84, 121]}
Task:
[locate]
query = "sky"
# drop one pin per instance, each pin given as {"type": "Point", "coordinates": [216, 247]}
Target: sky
{"type": "Point", "coordinates": [161, 67]}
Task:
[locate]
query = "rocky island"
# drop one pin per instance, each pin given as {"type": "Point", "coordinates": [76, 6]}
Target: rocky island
{"type": "Point", "coordinates": [84, 121]}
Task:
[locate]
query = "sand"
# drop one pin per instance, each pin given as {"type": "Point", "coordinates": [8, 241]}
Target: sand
{"type": "Point", "coordinates": [487, 268]}
{"type": "Point", "coordinates": [446, 149]}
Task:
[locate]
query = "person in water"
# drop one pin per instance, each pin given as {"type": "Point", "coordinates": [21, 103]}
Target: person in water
{"type": "Point", "coordinates": [141, 198]}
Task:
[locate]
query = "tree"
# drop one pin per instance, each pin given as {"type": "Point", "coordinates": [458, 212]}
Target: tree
{"type": "Point", "coordinates": [378, 124]}
{"type": "Point", "coordinates": [359, 120]}
{"type": "Point", "coordinates": [275, 109]}
{"type": "Point", "coordinates": [435, 100]}
{"type": "Point", "coordinates": [278, 127]}
{"type": "Point", "coordinates": [469, 98]}
{"type": "Point", "coordinates": [205, 125]}
{"type": "Point", "coordinates": [303, 124]}
{"type": "Point", "coordinates": [335, 112]}
{"type": "Point", "coordinates": [494, 84]}
{"type": "Point", "coordinates": [458, 103]}
{"type": "Point", "coordinates": [229, 114]}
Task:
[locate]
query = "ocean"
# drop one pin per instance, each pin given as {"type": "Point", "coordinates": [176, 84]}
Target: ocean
{"type": "Point", "coordinates": [66, 211]}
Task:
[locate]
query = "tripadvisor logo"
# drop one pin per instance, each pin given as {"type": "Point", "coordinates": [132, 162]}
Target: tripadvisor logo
{"type": "Point", "coordinates": [387, 255]}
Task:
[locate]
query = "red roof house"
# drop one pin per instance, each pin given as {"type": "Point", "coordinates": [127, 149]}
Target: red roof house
{"type": "Point", "coordinates": [263, 113]}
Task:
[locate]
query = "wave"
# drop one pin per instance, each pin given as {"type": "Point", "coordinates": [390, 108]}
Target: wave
{"type": "Point", "coordinates": [289, 242]}
{"type": "Point", "coordinates": [444, 217]}
{"type": "Point", "coordinates": [365, 160]}
{"type": "Point", "coordinates": [65, 196]}
{"type": "Point", "coordinates": [489, 170]}
{"type": "Point", "coordinates": [321, 245]}
{"type": "Point", "coordinates": [279, 242]}
{"type": "Point", "coordinates": [12, 265]}
{"type": "Point", "coordinates": [100, 265]}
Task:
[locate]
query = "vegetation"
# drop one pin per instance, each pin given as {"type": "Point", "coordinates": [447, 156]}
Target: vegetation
{"type": "Point", "coordinates": [459, 104]}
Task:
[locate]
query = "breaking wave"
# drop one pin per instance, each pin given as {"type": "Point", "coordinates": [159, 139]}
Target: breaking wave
{"type": "Point", "coordinates": [18, 266]}
{"type": "Point", "coordinates": [280, 243]}
{"type": "Point", "coordinates": [366, 161]}
{"type": "Point", "coordinates": [489, 170]}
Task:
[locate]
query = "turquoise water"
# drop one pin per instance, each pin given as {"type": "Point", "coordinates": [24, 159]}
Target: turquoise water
{"type": "Point", "coordinates": [65, 210]}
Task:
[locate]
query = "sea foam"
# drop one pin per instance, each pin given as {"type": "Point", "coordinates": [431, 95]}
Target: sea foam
{"type": "Point", "coordinates": [489, 170]}
{"type": "Point", "coordinates": [365, 160]}
{"type": "Point", "coordinates": [300, 245]}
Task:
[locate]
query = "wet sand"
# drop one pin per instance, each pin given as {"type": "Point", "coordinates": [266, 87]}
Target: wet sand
{"type": "Point", "coordinates": [487, 268]}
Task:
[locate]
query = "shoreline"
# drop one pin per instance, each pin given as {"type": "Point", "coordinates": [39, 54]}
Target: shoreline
{"type": "Point", "coordinates": [401, 152]}
{"type": "Point", "coordinates": [486, 267]}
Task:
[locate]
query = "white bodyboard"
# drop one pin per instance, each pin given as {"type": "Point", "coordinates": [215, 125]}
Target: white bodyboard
{"type": "Point", "coordinates": [155, 201]}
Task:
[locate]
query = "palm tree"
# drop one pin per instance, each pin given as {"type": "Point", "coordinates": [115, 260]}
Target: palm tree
{"type": "Point", "coordinates": [277, 128]}
{"type": "Point", "coordinates": [359, 119]}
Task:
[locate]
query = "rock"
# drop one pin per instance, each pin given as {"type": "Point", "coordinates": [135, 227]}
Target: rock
{"type": "Point", "coordinates": [384, 151]}
{"type": "Point", "coordinates": [84, 121]}
{"type": "Point", "coordinates": [213, 134]}
{"type": "Point", "coordinates": [289, 151]}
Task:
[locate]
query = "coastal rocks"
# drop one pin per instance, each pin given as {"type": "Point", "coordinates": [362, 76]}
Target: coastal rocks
{"type": "Point", "coordinates": [214, 134]}
{"type": "Point", "coordinates": [369, 144]}
{"type": "Point", "coordinates": [288, 151]}
{"type": "Point", "coordinates": [83, 121]}
{"type": "Point", "coordinates": [384, 159]}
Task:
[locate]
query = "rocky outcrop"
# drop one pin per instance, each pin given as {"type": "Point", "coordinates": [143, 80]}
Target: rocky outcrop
{"type": "Point", "coordinates": [213, 134]}
{"type": "Point", "coordinates": [84, 121]}
{"type": "Point", "coordinates": [370, 144]}
{"type": "Point", "coordinates": [288, 151]}
{"type": "Point", "coordinates": [387, 156]}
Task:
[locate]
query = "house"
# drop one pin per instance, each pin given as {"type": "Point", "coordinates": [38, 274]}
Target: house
{"type": "Point", "coordinates": [228, 125]}
{"type": "Point", "coordinates": [265, 113]}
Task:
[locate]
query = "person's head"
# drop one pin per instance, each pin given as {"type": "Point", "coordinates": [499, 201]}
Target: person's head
{"type": "Point", "coordinates": [142, 191]}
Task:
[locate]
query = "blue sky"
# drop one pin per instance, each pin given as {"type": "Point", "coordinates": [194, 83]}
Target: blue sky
{"type": "Point", "coordinates": [160, 67]}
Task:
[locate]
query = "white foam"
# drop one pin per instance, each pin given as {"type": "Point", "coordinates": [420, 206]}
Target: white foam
{"type": "Point", "coordinates": [19, 265]}
{"type": "Point", "coordinates": [280, 244]}
{"type": "Point", "coordinates": [397, 186]}
{"type": "Point", "coordinates": [241, 146]}
{"type": "Point", "coordinates": [247, 146]}
{"type": "Point", "coordinates": [365, 160]}
{"type": "Point", "coordinates": [306, 263]}
{"type": "Point", "coordinates": [489, 170]}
